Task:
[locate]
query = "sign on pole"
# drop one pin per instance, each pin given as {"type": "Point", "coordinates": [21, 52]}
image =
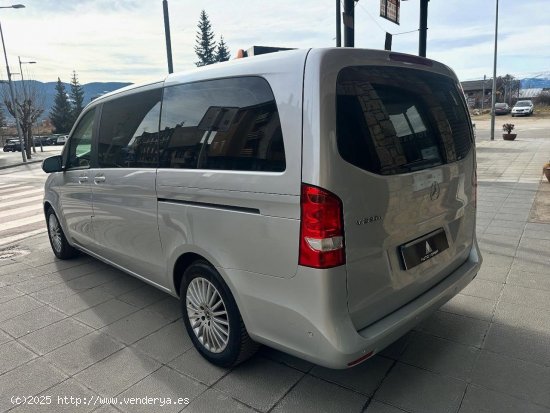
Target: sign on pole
{"type": "Point", "coordinates": [389, 9]}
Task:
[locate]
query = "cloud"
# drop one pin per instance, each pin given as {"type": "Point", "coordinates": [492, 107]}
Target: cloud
{"type": "Point", "coordinates": [123, 40]}
{"type": "Point", "coordinates": [67, 6]}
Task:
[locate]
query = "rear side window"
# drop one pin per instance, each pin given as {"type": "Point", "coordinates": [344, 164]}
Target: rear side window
{"type": "Point", "coordinates": [225, 124]}
{"type": "Point", "coordinates": [394, 120]}
{"type": "Point", "coordinates": [128, 131]}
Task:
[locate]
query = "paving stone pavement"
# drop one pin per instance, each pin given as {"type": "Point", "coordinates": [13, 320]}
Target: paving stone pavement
{"type": "Point", "coordinates": [79, 328]}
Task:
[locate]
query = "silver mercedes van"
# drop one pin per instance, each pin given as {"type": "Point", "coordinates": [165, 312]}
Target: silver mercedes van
{"type": "Point", "coordinates": [321, 201]}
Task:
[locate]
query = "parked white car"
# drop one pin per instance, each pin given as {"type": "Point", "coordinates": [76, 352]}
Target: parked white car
{"type": "Point", "coordinates": [523, 107]}
{"type": "Point", "coordinates": [62, 140]}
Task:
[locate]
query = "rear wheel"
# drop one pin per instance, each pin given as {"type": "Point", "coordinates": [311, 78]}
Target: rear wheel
{"type": "Point", "coordinates": [212, 319]}
{"type": "Point", "coordinates": [58, 241]}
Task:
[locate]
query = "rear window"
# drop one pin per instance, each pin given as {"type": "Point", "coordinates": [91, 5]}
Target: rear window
{"type": "Point", "coordinates": [394, 120]}
{"type": "Point", "coordinates": [523, 103]}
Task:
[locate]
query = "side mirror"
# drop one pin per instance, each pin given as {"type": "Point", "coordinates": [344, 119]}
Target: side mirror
{"type": "Point", "coordinates": [52, 164]}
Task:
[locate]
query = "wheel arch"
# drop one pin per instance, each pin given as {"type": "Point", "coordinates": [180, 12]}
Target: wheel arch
{"type": "Point", "coordinates": [181, 264]}
{"type": "Point", "coordinates": [47, 205]}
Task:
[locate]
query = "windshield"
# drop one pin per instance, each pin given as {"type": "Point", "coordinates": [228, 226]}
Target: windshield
{"type": "Point", "coordinates": [500, 105]}
{"type": "Point", "coordinates": [523, 104]}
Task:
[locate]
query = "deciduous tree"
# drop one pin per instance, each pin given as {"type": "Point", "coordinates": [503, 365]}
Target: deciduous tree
{"type": "Point", "coordinates": [29, 104]}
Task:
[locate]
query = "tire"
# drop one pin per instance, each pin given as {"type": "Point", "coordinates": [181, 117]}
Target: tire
{"type": "Point", "coordinates": [58, 241]}
{"type": "Point", "coordinates": [222, 340]}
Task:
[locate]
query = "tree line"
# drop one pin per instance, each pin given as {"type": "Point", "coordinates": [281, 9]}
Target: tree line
{"type": "Point", "coordinates": [67, 106]}
{"type": "Point", "coordinates": [29, 100]}
{"type": "Point", "coordinates": [206, 48]}
{"type": "Point", "coordinates": [29, 106]}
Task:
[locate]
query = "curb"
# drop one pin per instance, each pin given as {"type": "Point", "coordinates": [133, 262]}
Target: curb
{"type": "Point", "coordinates": [21, 163]}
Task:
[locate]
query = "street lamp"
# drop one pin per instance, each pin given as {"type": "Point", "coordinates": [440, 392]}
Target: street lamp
{"type": "Point", "coordinates": [28, 99]}
{"type": "Point", "coordinates": [21, 72]}
{"type": "Point", "coordinates": [32, 62]}
{"type": "Point", "coordinates": [12, 94]}
{"type": "Point", "coordinates": [494, 91]}
{"type": "Point", "coordinates": [167, 36]}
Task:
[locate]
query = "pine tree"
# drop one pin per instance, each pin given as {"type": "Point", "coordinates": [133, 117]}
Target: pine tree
{"type": "Point", "coordinates": [60, 114]}
{"type": "Point", "coordinates": [205, 47]}
{"type": "Point", "coordinates": [222, 54]}
{"type": "Point", "coordinates": [77, 97]}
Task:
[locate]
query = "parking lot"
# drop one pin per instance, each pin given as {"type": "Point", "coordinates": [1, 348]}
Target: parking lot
{"type": "Point", "coordinates": [80, 328]}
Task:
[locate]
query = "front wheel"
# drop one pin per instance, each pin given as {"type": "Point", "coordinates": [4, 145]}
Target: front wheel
{"type": "Point", "coordinates": [60, 246]}
{"type": "Point", "coordinates": [212, 318]}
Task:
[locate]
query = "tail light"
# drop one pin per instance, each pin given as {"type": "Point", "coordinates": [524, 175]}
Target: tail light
{"type": "Point", "coordinates": [321, 229]}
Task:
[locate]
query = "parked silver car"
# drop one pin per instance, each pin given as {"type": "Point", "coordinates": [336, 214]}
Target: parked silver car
{"type": "Point", "coordinates": [318, 201]}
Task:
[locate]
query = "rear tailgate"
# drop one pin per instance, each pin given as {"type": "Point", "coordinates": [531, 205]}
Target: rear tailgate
{"type": "Point", "coordinates": [405, 174]}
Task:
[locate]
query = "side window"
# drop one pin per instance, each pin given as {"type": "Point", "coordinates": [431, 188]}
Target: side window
{"type": "Point", "coordinates": [226, 124]}
{"type": "Point", "coordinates": [128, 131]}
{"type": "Point", "coordinates": [80, 143]}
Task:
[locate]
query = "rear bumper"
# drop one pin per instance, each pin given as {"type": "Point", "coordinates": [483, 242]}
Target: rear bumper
{"type": "Point", "coordinates": [390, 328]}
{"type": "Point", "coordinates": [307, 315]}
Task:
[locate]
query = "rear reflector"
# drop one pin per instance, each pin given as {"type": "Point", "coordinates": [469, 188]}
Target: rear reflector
{"type": "Point", "coordinates": [321, 229]}
{"type": "Point", "coordinates": [360, 359]}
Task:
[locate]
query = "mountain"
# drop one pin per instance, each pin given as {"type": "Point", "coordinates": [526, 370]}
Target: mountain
{"type": "Point", "coordinates": [91, 90]}
{"type": "Point", "coordinates": [540, 80]}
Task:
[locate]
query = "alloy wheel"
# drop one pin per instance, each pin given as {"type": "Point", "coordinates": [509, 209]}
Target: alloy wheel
{"type": "Point", "coordinates": [55, 232]}
{"type": "Point", "coordinates": [207, 315]}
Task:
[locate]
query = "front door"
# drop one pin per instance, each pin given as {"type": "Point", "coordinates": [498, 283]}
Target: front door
{"type": "Point", "coordinates": [123, 185]}
{"type": "Point", "coordinates": [74, 183]}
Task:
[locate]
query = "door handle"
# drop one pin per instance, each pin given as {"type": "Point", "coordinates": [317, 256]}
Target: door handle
{"type": "Point", "coordinates": [99, 179]}
{"type": "Point", "coordinates": [82, 179]}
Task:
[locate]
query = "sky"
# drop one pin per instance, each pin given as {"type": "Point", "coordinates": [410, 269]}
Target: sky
{"type": "Point", "coordinates": [123, 40]}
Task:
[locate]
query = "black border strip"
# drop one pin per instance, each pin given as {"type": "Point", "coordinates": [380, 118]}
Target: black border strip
{"type": "Point", "coordinates": [208, 205]}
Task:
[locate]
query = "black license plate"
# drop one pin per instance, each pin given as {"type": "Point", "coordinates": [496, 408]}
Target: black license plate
{"type": "Point", "coordinates": [422, 249]}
